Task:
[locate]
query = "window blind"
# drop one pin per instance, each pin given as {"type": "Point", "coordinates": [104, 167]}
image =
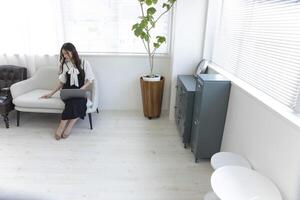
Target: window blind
{"type": "Point", "coordinates": [259, 42]}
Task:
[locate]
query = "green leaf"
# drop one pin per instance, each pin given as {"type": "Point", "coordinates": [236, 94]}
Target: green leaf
{"type": "Point", "coordinates": [156, 45]}
{"type": "Point", "coordinates": [149, 2]}
{"type": "Point", "coordinates": [154, 1]}
{"type": "Point", "coordinates": [145, 36]}
{"type": "Point", "coordinates": [151, 11]}
{"type": "Point", "coordinates": [138, 32]}
{"type": "Point", "coordinates": [144, 23]}
{"type": "Point", "coordinates": [161, 39]}
{"type": "Point", "coordinates": [167, 6]}
{"type": "Point", "coordinates": [150, 18]}
{"type": "Point", "coordinates": [171, 1]}
{"type": "Point", "coordinates": [135, 26]}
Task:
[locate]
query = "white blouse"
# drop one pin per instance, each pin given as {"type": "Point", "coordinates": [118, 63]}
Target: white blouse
{"type": "Point", "coordinates": [71, 69]}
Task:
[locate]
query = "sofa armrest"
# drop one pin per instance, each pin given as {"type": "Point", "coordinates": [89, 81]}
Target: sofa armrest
{"type": "Point", "coordinates": [23, 87]}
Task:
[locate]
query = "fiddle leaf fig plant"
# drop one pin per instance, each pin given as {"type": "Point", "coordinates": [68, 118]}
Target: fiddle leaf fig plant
{"type": "Point", "coordinates": [147, 22]}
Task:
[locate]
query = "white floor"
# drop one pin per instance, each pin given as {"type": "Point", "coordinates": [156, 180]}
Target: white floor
{"type": "Point", "coordinates": [125, 157]}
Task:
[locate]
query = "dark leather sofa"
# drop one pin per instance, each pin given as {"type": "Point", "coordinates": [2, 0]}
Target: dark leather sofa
{"type": "Point", "coordinates": [9, 74]}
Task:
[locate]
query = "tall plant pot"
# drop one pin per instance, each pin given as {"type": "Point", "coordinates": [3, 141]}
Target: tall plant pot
{"type": "Point", "coordinates": [152, 94]}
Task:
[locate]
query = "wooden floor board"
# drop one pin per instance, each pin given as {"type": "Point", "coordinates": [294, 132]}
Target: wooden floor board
{"type": "Point", "coordinates": [125, 156]}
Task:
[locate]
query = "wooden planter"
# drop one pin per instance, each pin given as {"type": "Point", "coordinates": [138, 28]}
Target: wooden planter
{"type": "Point", "coordinates": [152, 94]}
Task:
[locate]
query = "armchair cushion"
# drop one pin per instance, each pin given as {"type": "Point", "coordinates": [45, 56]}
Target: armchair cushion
{"type": "Point", "coordinates": [32, 100]}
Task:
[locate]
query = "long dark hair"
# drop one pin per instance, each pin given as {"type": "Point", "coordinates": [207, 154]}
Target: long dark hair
{"type": "Point", "coordinates": [77, 61]}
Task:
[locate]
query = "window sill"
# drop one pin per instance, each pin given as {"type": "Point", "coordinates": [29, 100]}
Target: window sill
{"type": "Point", "coordinates": [281, 110]}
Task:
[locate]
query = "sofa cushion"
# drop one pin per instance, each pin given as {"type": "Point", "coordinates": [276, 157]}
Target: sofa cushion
{"type": "Point", "coordinates": [32, 100]}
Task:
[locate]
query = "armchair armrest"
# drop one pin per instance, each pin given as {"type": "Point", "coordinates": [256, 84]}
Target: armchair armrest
{"type": "Point", "coordinates": [23, 87]}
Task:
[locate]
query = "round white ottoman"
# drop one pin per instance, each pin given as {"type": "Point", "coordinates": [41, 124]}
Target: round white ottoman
{"type": "Point", "coordinates": [227, 158]}
{"type": "Point", "coordinates": [241, 183]}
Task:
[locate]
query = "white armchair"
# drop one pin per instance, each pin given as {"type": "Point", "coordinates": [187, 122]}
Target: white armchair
{"type": "Point", "coordinates": [26, 94]}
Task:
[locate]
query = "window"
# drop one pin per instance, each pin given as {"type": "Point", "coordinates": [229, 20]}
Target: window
{"type": "Point", "coordinates": [259, 42]}
{"type": "Point", "coordinates": [41, 26]}
{"type": "Point", "coordinates": [105, 25]}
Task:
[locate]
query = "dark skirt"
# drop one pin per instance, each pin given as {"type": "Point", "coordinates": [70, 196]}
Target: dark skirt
{"type": "Point", "coordinates": [74, 108]}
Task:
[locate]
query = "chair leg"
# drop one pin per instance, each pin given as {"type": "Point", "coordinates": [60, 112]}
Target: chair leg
{"type": "Point", "coordinates": [18, 118]}
{"type": "Point", "coordinates": [97, 111]}
{"type": "Point", "coordinates": [90, 119]}
{"type": "Point", "coordinates": [5, 117]}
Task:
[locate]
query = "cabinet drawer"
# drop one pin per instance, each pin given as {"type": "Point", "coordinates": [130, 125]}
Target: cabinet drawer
{"type": "Point", "coordinates": [184, 106]}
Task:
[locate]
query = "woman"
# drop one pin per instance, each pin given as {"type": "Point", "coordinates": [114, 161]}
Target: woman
{"type": "Point", "coordinates": [75, 73]}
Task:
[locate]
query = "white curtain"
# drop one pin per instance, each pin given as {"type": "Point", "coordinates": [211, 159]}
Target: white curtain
{"type": "Point", "coordinates": [31, 62]}
{"type": "Point", "coordinates": [30, 30]}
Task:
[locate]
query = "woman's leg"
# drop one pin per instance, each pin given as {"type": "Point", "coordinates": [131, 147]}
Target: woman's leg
{"type": "Point", "coordinates": [60, 129]}
{"type": "Point", "coordinates": [69, 127]}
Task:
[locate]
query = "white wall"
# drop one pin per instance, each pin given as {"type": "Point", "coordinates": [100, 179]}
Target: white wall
{"type": "Point", "coordinates": [267, 140]}
{"type": "Point", "coordinates": [118, 78]}
{"type": "Point", "coordinates": [188, 37]}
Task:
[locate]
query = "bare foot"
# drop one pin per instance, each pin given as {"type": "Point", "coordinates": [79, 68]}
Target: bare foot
{"type": "Point", "coordinates": [58, 133]}
{"type": "Point", "coordinates": [70, 125]}
{"type": "Point", "coordinates": [66, 133]}
{"type": "Point", "coordinates": [57, 137]}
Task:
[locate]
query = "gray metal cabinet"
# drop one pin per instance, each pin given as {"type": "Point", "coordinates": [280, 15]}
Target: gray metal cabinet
{"type": "Point", "coordinates": [210, 108]}
{"type": "Point", "coordinates": [186, 85]}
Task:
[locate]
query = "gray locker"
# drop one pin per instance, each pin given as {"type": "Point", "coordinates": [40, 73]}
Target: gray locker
{"type": "Point", "coordinates": [210, 108]}
{"type": "Point", "coordinates": [186, 85]}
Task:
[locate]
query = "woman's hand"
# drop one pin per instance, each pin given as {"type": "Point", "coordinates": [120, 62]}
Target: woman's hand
{"type": "Point", "coordinates": [86, 85]}
{"type": "Point", "coordinates": [46, 96]}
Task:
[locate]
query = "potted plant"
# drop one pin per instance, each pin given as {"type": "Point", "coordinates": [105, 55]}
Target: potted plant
{"type": "Point", "coordinates": [152, 85]}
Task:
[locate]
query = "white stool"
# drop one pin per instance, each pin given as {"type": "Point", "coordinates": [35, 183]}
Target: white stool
{"type": "Point", "coordinates": [227, 158]}
{"type": "Point", "coordinates": [211, 196]}
{"type": "Point", "coordinates": [243, 184]}
{"type": "Point", "coordinates": [222, 159]}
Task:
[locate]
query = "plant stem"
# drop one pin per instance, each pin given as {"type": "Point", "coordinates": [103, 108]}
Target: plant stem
{"type": "Point", "coordinates": [145, 45]}
{"type": "Point", "coordinates": [161, 16]}
{"type": "Point", "coordinates": [142, 9]}
{"type": "Point", "coordinates": [150, 58]}
{"type": "Point", "coordinates": [148, 49]}
{"type": "Point", "coordinates": [153, 51]}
